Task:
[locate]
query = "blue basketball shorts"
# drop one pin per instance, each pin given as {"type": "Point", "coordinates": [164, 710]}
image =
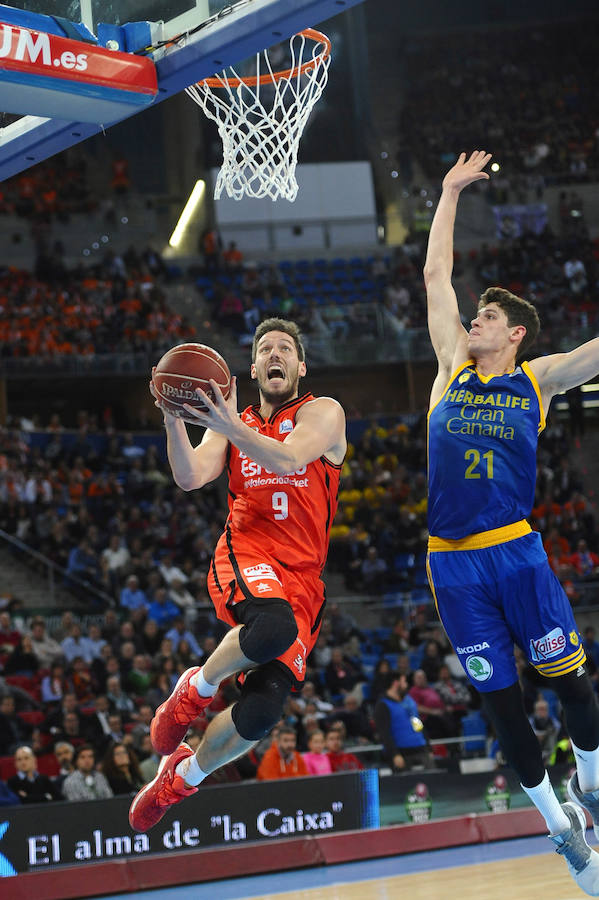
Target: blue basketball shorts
{"type": "Point", "coordinates": [492, 598]}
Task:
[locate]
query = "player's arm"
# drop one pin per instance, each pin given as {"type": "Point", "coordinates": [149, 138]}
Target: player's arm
{"type": "Point", "coordinates": [192, 467]}
{"type": "Point", "coordinates": [562, 371]}
{"type": "Point", "coordinates": [445, 328]}
{"type": "Point", "coordinates": [319, 431]}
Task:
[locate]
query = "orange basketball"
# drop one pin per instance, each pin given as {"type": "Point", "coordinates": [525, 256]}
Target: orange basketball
{"type": "Point", "coordinates": [185, 368]}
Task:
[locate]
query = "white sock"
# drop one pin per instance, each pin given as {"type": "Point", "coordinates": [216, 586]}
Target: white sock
{"type": "Point", "coordinates": [587, 766]}
{"type": "Point", "coordinates": [190, 771]}
{"type": "Point", "coordinates": [544, 798]}
{"type": "Point", "coordinates": [203, 687]}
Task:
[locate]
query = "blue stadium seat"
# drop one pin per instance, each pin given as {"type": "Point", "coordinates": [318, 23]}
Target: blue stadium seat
{"type": "Point", "coordinates": [474, 723]}
{"type": "Point", "coordinates": [404, 561]}
{"type": "Point", "coordinates": [415, 658]}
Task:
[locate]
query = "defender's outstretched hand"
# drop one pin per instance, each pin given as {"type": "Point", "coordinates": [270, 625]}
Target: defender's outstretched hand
{"type": "Point", "coordinates": [465, 171]}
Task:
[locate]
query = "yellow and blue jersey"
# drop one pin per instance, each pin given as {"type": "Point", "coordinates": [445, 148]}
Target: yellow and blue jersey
{"type": "Point", "coordinates": [488, 572]}
{"type": "Point", "coordinates": [482, 441]}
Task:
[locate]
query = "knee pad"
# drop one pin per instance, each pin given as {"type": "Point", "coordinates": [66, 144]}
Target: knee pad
{"type": "Point", "coordinates": [263, 696]}
{"type": "Point", "coordinates": [269, 629]}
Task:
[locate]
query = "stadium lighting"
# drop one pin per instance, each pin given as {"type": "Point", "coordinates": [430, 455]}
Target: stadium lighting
{"type": "Point", "coordinates": [495, 167]}
{"type": "Point", "coordinates": [188, 211]}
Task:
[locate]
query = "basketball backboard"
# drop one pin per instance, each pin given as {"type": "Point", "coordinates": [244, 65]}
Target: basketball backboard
{"type": "Point", "coordinates": [193, 40]}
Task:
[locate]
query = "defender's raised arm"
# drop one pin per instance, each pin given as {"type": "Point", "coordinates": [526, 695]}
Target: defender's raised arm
{"type": "Point", "coordinates": [444, 324]}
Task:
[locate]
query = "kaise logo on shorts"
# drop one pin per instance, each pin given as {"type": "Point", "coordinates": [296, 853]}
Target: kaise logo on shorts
{"type": "Point", "coordinates": [263, 587]}
{"type": "Point", "coordinates": [551, 644]}
{"type": "Point", "coordinates": [298, 662]}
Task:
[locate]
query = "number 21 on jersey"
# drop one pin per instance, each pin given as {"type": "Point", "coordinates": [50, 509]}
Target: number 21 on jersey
{"type": "Point", "coordinates": [280, 505]}
{"type": "Point", "coordinates": [478, 468]}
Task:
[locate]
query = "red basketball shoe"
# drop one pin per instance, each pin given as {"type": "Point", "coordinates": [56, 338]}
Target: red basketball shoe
{"type": "Point", "coordinates": [173, 717]}
{"type": "Point", "coordinates": [152, 802]}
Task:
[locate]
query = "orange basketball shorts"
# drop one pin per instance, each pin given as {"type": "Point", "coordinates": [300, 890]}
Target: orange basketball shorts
{"type": "Point", "coordinates": [239, 571]}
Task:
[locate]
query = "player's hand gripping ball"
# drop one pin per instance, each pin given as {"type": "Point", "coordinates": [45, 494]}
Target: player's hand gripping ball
{"type": "Point", "coordinates": [183, 369]}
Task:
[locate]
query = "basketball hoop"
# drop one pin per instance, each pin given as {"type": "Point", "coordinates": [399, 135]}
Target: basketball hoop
{"type": "Point", "coordinates": [261, 117]}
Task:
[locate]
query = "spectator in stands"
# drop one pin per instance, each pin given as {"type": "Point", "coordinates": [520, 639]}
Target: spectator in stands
{"type": "Point", "coordinates": [85, 783]}
{"type": "Point", "coordinates": [45, 648]}
{"type": "Point", "coordinates": [10, 637]}
{"type": "Point", "coordinates": [431, 661]}
{"type": "Point", "coordinates": [398, 640]}
{"type": "Point", "coordinates": [72, 730]}
{"type": "Point", "coordinates": [316, 759]}
{"type": "Point", "coordinates": [64, 754]}
{"type": "Point", "coordinates": [373, 572]}
{"type": "Point", "coordinates": [119, 701]}
{"type": "Point", "coordinates": [454, 693]}
{"type": "Point", "coordinates": [132, 596]}
{"type": "Point", "coordinates": [420, 630]}
{"type": "Point", "coordinates": [431, 708]}
{"type": "Point", "coordinates": [96, 641]}
{"type": "Point", "coordinates": [83, 562]}
{"type": "Point", "coordinates": [149, 766]}
{"type": "Point", "coordinates": [76, 644]}
{"type": "Point", "coordinates": [585, 562]}
{"type": "Point", "coordinates": [380, 679]}
{"type": "Point", "coordinates": [28, 784]}
{"type": "Point", "coordinates": [341, 675]}
{"type": "Point", "coordinates": [163, 610]}
{"type": "Point", "coordinates": [160, 691]}
{"type": "Point", "coordinates": [282, 760]}
{"type": "Point", "coordinates": [342, 624]}
{"type": "Point", "coordinates": [13, 730]}
{"type": "Point", "coordinates": [170, 571]}
{"type": "Point", "coordinates": [23, 660]}
{"type": "Point", "coordinates": [121, 769]}
{"type": "Point", "coordinates": [54, 685]}
{"type": "Point", "coordinates": [139, 677]}
{"type": "Point", "coordinates": [545, 727]}
{"type": "Point", "coordinates": [116, 555]}
{"type": "Point", "coordinates": [151, 637]}
{"type": "Point", "coordinates": [126, 635]}
{"type": "Point", "coordinates": [339, 759]}
{"type": "Point", "coordinates": [142, 727]}
{"type": "Point", "coordinates": [180, 633]}
{"type": "Point", "coordinates": [233, 257]}
{"type": "Point", "coordinates": [210, 247]}
{"type": "Point", "coordinates": [398, 727]}
{"type": "Point", "coordinates": [355, 719]}
{"type": "Point", "coordinates": [310, 697]}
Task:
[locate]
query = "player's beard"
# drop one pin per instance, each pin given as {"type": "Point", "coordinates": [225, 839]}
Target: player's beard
{"type": "Point", "coordinates": [280, 397]}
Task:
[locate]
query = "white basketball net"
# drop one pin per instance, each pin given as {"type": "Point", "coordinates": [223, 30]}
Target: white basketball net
{"type": "Point", "coordinates": [261, 124]}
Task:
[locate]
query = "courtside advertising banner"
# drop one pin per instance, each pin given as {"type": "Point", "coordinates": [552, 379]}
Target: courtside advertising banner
{"type": "Point", "coordinates": [34, 838]}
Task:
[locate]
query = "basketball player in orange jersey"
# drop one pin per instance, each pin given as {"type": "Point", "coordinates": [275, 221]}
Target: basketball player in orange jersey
{"type": "Point", "coordinates": [283, 457]}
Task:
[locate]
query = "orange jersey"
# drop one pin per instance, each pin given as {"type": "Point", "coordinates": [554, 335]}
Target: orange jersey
{"type": "Point", "coordinates": [288, 516]}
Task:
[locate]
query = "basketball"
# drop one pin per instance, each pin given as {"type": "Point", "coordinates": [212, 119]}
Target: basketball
{"type": "Point", "coordinates": [183, 369]}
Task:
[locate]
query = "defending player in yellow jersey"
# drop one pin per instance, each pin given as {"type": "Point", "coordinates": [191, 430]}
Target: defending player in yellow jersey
{"type": "Point", "coordinates": [488, 571]}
